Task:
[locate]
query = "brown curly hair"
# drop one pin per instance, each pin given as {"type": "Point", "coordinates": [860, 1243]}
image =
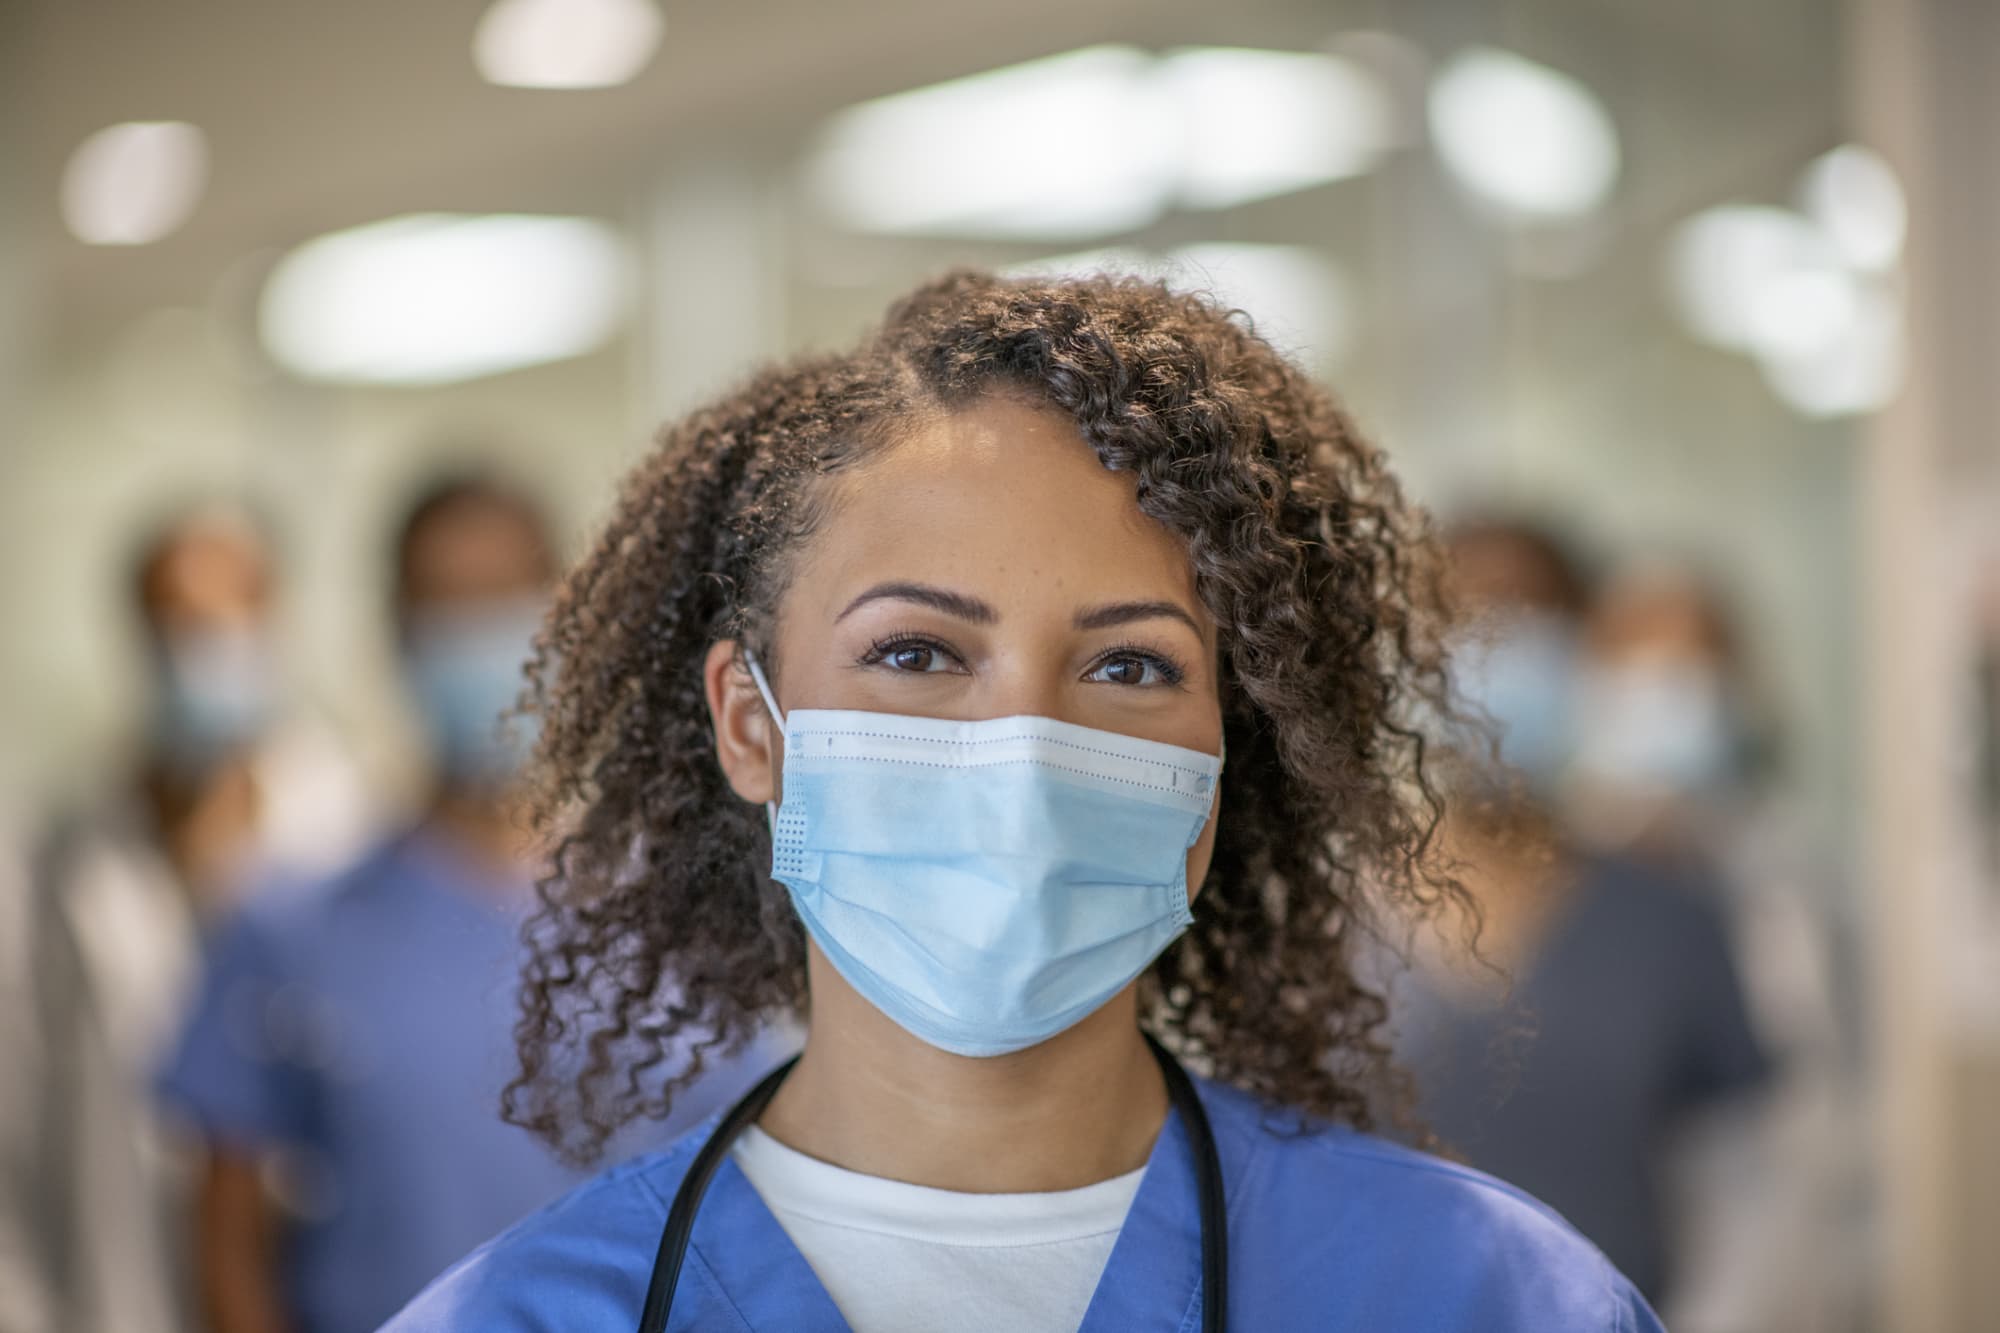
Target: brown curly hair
{"type": "Point", "coordinates": [660, 927]}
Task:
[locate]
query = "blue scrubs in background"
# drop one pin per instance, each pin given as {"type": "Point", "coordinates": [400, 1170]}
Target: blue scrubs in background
{"type": "Point", "coordinates": [1627, 1017]}
{"type": "Point", "coordinates": [364, 1027]}
{"type": "Point", "coordinates": [1327, 1230]}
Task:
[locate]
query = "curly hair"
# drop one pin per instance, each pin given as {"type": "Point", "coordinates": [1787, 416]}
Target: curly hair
{"type": "Point", "coordinates": [660, 929]}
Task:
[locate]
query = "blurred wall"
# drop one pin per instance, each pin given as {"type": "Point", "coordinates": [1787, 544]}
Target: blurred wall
{"type": "Point", "coordinates": [1922, 88]}
{"type": "Point", "coordinates": [16, 315]}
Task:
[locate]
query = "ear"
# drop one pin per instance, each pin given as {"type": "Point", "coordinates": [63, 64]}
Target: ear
{"type": "Point", "coordinates": [747, 740]}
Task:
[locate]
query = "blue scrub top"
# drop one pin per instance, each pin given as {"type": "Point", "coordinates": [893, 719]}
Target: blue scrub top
{"type": "Point", "coordinates": [1329, 1229]}
{"type": "Point", "coordinates": [1628, 1017]}
{"type": "Point", "coordinates": [364, 1027]}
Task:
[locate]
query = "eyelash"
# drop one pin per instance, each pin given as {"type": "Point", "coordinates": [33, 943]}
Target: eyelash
{"type": "Point", "coordinates": [1170, 671]}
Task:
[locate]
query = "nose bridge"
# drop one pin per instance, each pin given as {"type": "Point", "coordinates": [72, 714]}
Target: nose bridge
{"type": "Point", "coordinates": [1031, 675]}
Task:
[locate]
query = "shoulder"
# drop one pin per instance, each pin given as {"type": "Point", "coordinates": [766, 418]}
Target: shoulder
{"type": "Point", "coordinates": [581, 1262]}
{"type": "Point", "coordinates": [1293, 1163]}
{"type": "Point", "coordinates": [1405, 1237]}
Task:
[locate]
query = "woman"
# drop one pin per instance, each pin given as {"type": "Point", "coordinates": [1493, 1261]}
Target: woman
{"type": "Point", "coordinates": [950, 638]}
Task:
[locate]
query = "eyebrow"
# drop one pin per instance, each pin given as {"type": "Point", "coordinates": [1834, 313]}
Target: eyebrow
{"type": "Point", "coordinates": [1126, 613]}
{"type": "Point", "coordinates": [923, 594]}
{"type": "Point", "coordinates": [968, 608]}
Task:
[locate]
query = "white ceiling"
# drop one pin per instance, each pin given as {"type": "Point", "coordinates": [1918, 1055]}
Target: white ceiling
{"type": "Point", "coordinates": [329, 114]}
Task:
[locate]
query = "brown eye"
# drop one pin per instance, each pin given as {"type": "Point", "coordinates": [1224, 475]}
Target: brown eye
{"type": "Point", "coordinates": [1133, 668]}
{"type": "Point", "coordinates": [913, 656]}
{"type": "Point", "coordinates": [1125, 671]}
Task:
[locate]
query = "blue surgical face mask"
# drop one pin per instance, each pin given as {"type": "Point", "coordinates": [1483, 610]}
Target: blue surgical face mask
{"type": "Point", "coordinates": [465, 670]}
{"type": "Point", "coordinates": [214, 694]}
{"type": "Point", "coordinates": [1665, 727]}
{"type": "Point", "coordinates": [1522, 675]}
{"type": "Point", "coordinates": [985, 884]}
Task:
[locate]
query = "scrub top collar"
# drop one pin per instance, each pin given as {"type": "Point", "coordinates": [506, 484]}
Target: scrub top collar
{"type": "Point", "coordinates": [1151, 1281]}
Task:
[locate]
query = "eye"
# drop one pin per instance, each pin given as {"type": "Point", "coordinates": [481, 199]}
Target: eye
{"type": "Point", "coordinates": [916, 657]}
{"type": "Point", "coordinates": [1133, 666]}
{"type": "Point", "coordinates": [912, 655]}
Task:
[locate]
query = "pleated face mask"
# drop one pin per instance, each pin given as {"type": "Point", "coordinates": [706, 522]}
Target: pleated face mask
{"type": "Point", "coordinates": [985, 884]}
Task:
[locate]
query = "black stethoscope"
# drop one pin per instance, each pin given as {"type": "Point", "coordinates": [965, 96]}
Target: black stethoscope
{"type": "Point", "coordinates": [1180, 1090]}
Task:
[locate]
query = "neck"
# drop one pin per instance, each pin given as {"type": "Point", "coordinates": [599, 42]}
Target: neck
{"type": "Point", "coordinates": [1082, 1107]}
{"type": "Point", "coordinates": [205, 825]}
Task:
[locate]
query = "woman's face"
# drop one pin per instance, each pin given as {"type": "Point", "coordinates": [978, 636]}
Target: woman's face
{"type": "Point", "coordinates": [985, 566]}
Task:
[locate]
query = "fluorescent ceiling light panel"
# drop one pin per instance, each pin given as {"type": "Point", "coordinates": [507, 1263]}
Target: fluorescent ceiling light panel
{"type": "Point", "coordinates": [1529, 141]}
{"type": "Point", "coordinates": [1858, 370]}
{"type": "Point", "coordinates": [1110, 260]}
{"type": "Point", "coordinates": [1760, 279]}
{"type": "Point", "coordinates": [1060, 148]}
{"type": "Point", "coordinates": [1775, 285]}
{"type": "Point", "coordinates": [1098, 141]}
{"type": "Point", "coordinates": [134, 183]}
{"type": "Point", "coordinates": [1259, 123]}
{"type": "Point", "coordinates": [1854, 196]}
{"type": "Point", "coordinates": [567, 44]}
{"type": "Point", "coordinates": [1296, 297]}
{"type": "Point", "coordinates": [433, 298]}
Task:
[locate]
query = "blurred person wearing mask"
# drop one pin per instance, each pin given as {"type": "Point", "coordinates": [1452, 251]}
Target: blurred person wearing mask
{"type": "Point", "coordinates": [98, 950]}
{"type": "Point", "coordinates": [1602, 1006]}
{"type": "Point", "coordinates": [1672, 769]}
{"type": "Point", "coordinates": [352, 1035]}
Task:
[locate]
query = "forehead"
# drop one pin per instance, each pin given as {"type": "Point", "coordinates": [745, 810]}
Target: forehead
{"type": "Point", "coordinates": [210, 566]}
{"type": "Point", "coordinates": [1006, 495]}
{"type": "Point", "coordinates": [1501, 570]}
{"type": "Point", "coordinates": [1659, 612]}
{"type": "Point", "coordinates": [474, 548]}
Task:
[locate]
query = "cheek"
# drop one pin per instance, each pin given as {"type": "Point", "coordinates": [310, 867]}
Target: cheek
{"type": "Point", "coordinates": [1201, 854]}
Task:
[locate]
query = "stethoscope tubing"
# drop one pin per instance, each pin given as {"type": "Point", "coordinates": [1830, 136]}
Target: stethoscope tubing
{"type": "Point", "coordinates": [679, 1228]}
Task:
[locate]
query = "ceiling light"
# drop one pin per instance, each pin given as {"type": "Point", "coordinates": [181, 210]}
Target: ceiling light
{"type": "Point", "coordinates": [134, 183]}
{"type": "Point", "coordinates": [1064, 147]}
{"type": "Point", "coordinates": [1260, 123]}
{"type": "Point", "coordinates": [1295, 296]}
{"type": "Point", "coordinates": [1527, 140]}
{"type": "Point", "coordinates": [432, 298]}
{"type": "Point", "coordinates": [566, 43]}
{"type": "Point", "coordinates": [1760, 279]}
{"type": "Point", "coordinates": [1853, 194]}
{"type": "Point", "coordinates": [1858, 370]}
{"type": "Point", "coordinates": [1098, 141]}
{"type": "Point", "coordinates": [1109, 260]}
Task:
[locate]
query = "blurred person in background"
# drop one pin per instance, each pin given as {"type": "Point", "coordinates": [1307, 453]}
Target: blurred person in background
{"type": "Point", "coordinates": [1604, 1007]}
{"type": "Point", "coordinates": [99, 946]}
{"type": "Point", "coordinates": [1673, 767]}
{"type": "Point", "coordinates": [345, 1057]}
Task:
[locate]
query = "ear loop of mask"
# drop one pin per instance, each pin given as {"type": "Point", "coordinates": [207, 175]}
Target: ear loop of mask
{"type": "Point", "coordinates": [777, 715]}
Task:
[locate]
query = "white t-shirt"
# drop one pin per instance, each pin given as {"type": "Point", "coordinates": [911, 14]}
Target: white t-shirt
{"type": "Point", "coordinates": [900, 1258]}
